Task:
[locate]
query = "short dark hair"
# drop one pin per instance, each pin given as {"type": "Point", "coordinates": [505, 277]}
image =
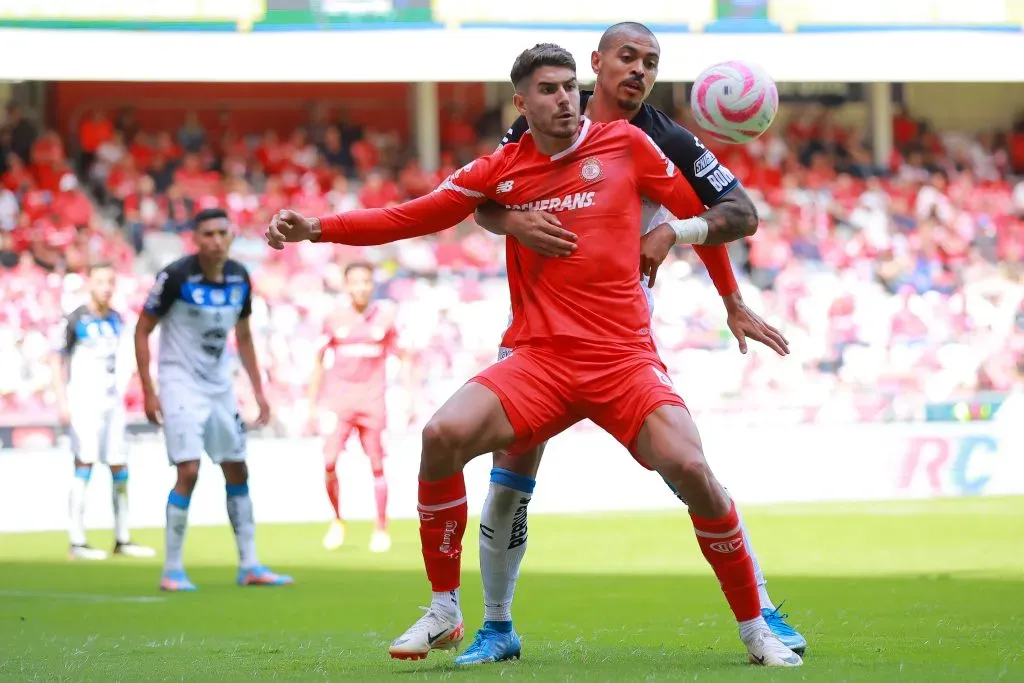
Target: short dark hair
{"type": "Point", "coordinates": [359, 265]}
{"type": "Point", "coordinates": [614, 30]}
{"type": "Point", "coordinates": [208, 215]}
{"type": "Point", "coordinates": [98, 265]}
{"type": "Point", "coordinates": [541, 54]}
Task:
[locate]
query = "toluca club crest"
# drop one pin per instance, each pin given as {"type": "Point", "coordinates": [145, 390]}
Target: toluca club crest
{"type": "Point", "coordinates": [590, 169]}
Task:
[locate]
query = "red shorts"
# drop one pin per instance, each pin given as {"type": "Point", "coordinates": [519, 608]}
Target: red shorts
{"type": "Point", "coordinates": [368, 420]}
{"type": "Point", "coordinates": [544, 392]}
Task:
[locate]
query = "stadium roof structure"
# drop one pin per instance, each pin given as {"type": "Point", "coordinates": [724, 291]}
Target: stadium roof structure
{"type": "Point", "coordinates": [435, 54]}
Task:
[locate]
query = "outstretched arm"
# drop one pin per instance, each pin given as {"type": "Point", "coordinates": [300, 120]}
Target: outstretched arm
{"type": "Point", "coordinates": [426, 215]}
{"type": "Point", "coordinates": [443, 208]}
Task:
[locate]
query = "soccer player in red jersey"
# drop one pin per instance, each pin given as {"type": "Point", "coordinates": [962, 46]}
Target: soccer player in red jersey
{"type": "Point", "coordinates": [626, 64]}
{"type": "Point", "coordinates": [580, 335]}
{"type": "Point", "coordinates": [359, 337]}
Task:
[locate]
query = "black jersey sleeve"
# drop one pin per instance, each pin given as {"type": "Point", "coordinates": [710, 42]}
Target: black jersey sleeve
{"type": "Point", "coordinates": [247, 300]}
{"type": "Point", "coordinates": [165, 290]}
{"type": "Point", "coordinates": [69, 332]}
{"type": "Point", "coordinates": [698, 164]}
{"type": "Point", "coordinates": [515, 133]}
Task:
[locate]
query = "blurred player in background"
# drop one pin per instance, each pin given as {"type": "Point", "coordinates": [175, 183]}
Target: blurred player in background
{"type": "Point", "coordinates": [351, 368]}
{"type": "Point", "coordinates": [626, 64]}
{"type": "Point", "coordinates": [90, 377]}
{"type": "Point", "coordinates": [196, 301]}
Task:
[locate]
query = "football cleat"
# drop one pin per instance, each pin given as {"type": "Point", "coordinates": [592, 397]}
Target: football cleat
{"type": "Point", "coordinates": [789, 636]}
{"type": "Point", "coordinates": [84, 552]}
{"type": "Point", "coordinates": [335, 536]}
{"type": "Point", "coordinates": [176, 582]}
{"type": "Point", "coordinates": [262, 576]}
{"type": "Point", "coordinates": [491, 645]}
{"type": "Point", "coordinates": [129, 549]}
{"type": "Point", "coordinates": [432, 631]}
{"type": "Point", "coordinates": [765, 649]}
{"type": "Point", "coordinates": [380, 541]}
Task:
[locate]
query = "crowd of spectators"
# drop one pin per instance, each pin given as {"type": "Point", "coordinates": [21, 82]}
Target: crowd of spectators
{"type": "Point", "coordinates": [895, 285]}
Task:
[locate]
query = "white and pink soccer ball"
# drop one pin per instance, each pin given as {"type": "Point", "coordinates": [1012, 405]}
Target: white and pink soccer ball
{"type": "Point", "coordinates": [734, 101]}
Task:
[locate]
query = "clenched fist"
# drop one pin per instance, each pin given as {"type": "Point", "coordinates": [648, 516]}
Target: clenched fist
{"type": "Point", "coordinates": [289, 226]}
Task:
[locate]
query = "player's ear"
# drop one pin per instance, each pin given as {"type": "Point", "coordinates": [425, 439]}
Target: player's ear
{"type": "Point", "coordinates": [520, 102]}
{"type": "Point", "coordinates": [595, 61]}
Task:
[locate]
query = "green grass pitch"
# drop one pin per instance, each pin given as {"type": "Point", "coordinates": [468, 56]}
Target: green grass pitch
{"type": "Point", "coordinates": [922, 591]}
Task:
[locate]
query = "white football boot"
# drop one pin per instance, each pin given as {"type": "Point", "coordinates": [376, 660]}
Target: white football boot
{"type": "Point", "coordinates": [765, 649]}
{"type": "Point", "coordinates": [432, 631]}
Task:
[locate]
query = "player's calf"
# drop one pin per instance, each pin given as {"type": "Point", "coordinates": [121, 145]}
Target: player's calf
{"type": "Point", "coordinates": [669, 442]}
{"type": "Point", "coordinates": [470, 423]}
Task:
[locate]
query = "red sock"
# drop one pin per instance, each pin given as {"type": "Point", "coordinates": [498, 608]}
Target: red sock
{"type": "Point", "coordinates": [380, 491]}
{"type": "Point", "coordinates": [721, 541]}
{"type": "Point", "coordinates": [443, 512]}
{"type": "Point", "coordinates": [333, 490]}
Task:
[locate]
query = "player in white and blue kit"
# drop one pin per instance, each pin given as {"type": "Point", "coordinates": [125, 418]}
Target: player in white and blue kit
{"type": "Point", "coordinates": [197, 301]}
{"type": "Point", "coordinates": [91, 373]}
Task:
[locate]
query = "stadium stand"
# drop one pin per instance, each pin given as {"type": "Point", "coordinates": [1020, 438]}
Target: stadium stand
{"type": "Point", "coordinates": [896, 286]}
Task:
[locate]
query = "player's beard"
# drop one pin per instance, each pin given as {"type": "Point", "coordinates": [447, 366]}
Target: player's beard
{"type": "Point", "coordinates": [632, 104]}
{"type": "Point", "coordinates": [563, 129]}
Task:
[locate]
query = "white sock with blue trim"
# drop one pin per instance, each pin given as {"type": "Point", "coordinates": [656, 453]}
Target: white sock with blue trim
{"type": "Point", "coordinates": [240, 514]}
{"type": "Point", "coordinates": [503, 540]}
{"type": "Point", "coordinates": [76, 505]}
{"type": "Point", "coordinates": [174, 536]}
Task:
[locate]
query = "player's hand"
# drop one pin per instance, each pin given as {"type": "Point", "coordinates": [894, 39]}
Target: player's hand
{"type": "Point", "coordinates": [654, 249]}
{"type": "Point", "coordinates": [154, 413]}
{"type": "Point", "coordinates": [64, 414]}
{"type": "Point", "coordinates": [313, 423]}
{"type": "Point", "coordinates": [263, 419]}
{"type": "Point", "coordinates": [541, 232]}
{"type": "Point", "coordinates": [745, 324]}
{"type": "Point", "coordinates": [289, 226]}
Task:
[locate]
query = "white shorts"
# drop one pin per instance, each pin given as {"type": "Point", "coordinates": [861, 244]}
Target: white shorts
{"type": "Point", "coordinates": [99, 437]}
{"type": "Point", "coordinates": [195, 421]}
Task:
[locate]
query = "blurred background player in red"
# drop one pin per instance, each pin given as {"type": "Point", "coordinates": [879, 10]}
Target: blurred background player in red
{"type": "Point", "coordinates": [352, 365]}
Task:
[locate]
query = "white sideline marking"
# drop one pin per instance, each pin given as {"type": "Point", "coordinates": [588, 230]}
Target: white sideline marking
{"type": "Point", "coordinates": [91, 597]}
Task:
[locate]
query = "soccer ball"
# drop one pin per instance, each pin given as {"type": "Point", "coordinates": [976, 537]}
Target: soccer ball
{"type": "Point", "coordinates": [734, 101]}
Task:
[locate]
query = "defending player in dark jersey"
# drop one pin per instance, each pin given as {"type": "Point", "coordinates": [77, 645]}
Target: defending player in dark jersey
{"type": "Point", "coordinates": [581, 337]}
{"type": "Point", "coordinates": [197, 301]}
{"type": "Point", "coordinates": [91, 372]}
{"type": "Point", "coordinates": [626, 63]}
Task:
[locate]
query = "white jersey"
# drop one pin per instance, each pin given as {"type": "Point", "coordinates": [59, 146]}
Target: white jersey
{"type": "Point", "coordinates": [93, 345]}
{"type": "Point", "coordinates": [196, 316]}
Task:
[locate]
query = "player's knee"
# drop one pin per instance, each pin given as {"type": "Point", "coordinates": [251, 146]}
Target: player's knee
{"type": "Point", "coordinates": [445, 437]}
{"type": "Point", "coordinates": [235, 472]}
{"type": "Point", "coordinates": [685, 475]}
{"type": "Point", "coordinates": [188, 475]}
{"type": "Point", "coordinates": [526, 463]}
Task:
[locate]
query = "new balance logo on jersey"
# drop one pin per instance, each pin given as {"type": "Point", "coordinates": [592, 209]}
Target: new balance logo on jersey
{"type": "Point", "coordinates": [504, 186]}
{"type": "Point", "coordinates": [721, 178]}
{"type": "Point", "coordinates": [569, 202]}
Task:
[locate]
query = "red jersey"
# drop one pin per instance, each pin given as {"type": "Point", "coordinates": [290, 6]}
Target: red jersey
{"type": "Point", "coordinates": [595, 188]}
{"type": "Point", "coordinates": [357, 348]}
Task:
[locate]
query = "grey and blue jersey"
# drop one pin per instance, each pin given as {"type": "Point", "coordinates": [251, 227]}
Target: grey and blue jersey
{"type": "Point", "coordinates": [92, 344]}
{"type": "Point", "coordinates": [196, 316]}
